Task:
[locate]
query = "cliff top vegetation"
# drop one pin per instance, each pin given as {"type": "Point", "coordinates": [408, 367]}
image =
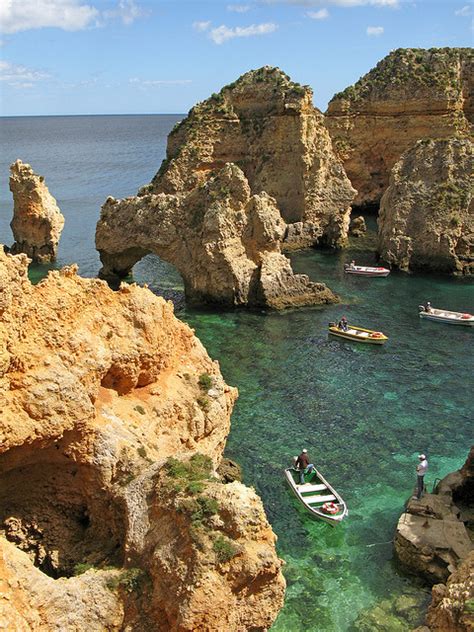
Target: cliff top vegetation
{"type": "Point", "coordinates": [406, 71]}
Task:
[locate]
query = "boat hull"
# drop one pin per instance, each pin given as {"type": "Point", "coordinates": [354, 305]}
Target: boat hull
{"type": "Point", "coordinates": [303, 494]}
{"type": "Point", "coordinates": [454, 319]}
{"type": "Point", "coordinates": [367, 272]}
{"type": "Point", "coordinates": [359, 335]}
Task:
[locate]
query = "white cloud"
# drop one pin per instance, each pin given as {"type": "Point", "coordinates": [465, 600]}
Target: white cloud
{"type": "Point", "coordinates": [238, 8]}
{"type": "Point", "coordinates": [466, 11]}
{"type": "Point", "coordinates": [147, 83]}
{"type": "Point", "coordinates": [375, 31]}
{"type": "Point", "coordinates": [223, 33]}
{"type": "Point", "coordinates": [322, 14]}
{"type": "Point", "coordinates": [20, 76]}
{"type": "Point", "coordinates": [127, 11]}
{"type": "Point", "coordinates": [201, 26]}
{"type": "Point", "coordinates": [69, 15]}
{"type": "Point", "coordinates": [22, 15]}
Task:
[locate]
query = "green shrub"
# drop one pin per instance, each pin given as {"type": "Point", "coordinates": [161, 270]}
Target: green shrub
{"type": "Point", "coordinates": [141, 452]}
{"type": "Point", "coordinates": [224, 549]}
{"type": "Point", "coordinates": [203, 403]}
{"type": "Point", "coordinates": [205, 381]}
{"type": "Point", "coordinates": [130, 580]}
{"type": "Point", "coordinates": [140, 409]}
{"type": "Point", "coordinates": [198, 468]}
{"type": "Point", "coordinates": [81, 568]}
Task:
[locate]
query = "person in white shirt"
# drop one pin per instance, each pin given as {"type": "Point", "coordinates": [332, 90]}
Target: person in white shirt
{"type": "Point", "coordinates": [421, 469]}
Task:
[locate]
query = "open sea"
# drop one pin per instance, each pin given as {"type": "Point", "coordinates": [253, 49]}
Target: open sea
{"type": "Point", "coordinates": [363, 413]}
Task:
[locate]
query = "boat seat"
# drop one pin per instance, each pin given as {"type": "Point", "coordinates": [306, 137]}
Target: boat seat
{"type": "Point", "coordinates": [319, 499]}
{"type": "Point", "coordinates": [311, 488]}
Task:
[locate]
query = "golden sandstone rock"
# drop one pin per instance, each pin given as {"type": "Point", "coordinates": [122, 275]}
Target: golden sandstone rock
{"type": "Point", "coordinates": [98, 389]}
{"type": "Point", "coordinates": [426, 218]}
{"type": "Point", "coordinates": [410, 95]}
{"type": "Point", "coordinates": [37, 221]}
{"type": "Point", "coordinates": [248, 170]}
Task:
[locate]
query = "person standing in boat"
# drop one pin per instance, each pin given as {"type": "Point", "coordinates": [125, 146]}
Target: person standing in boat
{"type": "Point", "coordinates": [342, 324]}
{"type": "Point", "coordinates": [303, 465]}
{"type": "Point", "coordinates": [428, 307]}
{"type": "Point", "coordinates": [421, 470]}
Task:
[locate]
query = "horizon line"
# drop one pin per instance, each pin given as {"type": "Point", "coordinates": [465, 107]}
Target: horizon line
{"type": "Point", "coordinates": [103, 114]}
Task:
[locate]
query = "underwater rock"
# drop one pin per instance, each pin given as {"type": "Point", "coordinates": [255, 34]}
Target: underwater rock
{"type": "Point", "coordinates": [37, 221]}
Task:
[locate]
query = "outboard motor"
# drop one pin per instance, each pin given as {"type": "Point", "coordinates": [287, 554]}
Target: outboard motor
{"type": "Point", "coordinates": [332, 324]}
{"type": "Point", "coordinates": [422, 308]}
{"type": "Point", "coordinates": [293, 465]}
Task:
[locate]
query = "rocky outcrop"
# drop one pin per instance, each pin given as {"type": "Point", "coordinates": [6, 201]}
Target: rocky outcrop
{"type": "Point", "coordinates": [267, 125]}
{"type": "Point", "coordinates": [358, 227]}
{"type": "Point", "coordinates": [37, 221]}
{"type": "Point", "coordinates": [432, 541]}
{"type": "Point", "coordinates": [113, 421]}
{"type": "Point", "coordinates": [426, 216]}
{"type": "Point", "coordinates": [411, 94]}
{"type": "Point", "coordinates": [224, 241]}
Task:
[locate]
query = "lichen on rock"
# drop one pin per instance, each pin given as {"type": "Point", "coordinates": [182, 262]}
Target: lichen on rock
{"type": "Point", "coordinates": [37, 221]}
{"type": "Point", "coordinates": [426, 216]}
{"type": "Point", "coordinates": [98, 390]}
{"type": "Point", "coordinates": [411, 94]}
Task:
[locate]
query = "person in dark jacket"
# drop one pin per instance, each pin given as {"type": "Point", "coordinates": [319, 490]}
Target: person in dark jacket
{"type": "Point", "coordinates": [303, 465]}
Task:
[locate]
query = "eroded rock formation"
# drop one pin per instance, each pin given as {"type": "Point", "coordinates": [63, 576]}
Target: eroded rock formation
{"type": "Point", "coordinates": [426, 216]}
{"type": "Point", "coordinates": [224, 241]}
{"type": "Point", "coordinates": [266, 124]}
{"type": "Point", "coordinates": [411, 94]}
{"type": "Point", "coordinates": [99, 529]}
{"type": "Point", "coordinates": [432, 541]}
{"type": "Point", "coordinates": [37, 221]}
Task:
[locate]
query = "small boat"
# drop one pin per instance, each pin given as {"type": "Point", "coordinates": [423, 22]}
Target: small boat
{"type": "Point", "coordinates": [359, 334]}
{"type": "Point", "coordinates": [367, 271]}
{"type": "Point", "coordinates": [317, 495]}
{"type": "Point", "coordinates": [445, 316]}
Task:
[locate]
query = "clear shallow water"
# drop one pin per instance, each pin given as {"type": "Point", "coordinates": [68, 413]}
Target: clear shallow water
{"type": "Point", "coordinates": [364, 413]}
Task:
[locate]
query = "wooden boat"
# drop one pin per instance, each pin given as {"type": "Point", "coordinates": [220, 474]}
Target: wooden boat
{"type": "Point", "coordinates": [317, 495]}
{"type": "Point", "coordinates": [359, 334]}
{"type": "Point", "coordinates": [445, 316]}
{"type": "Point", "coordinates": [366, 270]}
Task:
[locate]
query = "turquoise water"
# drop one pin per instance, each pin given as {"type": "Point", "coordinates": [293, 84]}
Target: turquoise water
{"type": "Point", "coordinates": [364, 413]}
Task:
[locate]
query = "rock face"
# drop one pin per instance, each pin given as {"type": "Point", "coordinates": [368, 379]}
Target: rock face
{"type": "Point", "coordinates": [224, 241]}
{"type": "Point", "coordinates": [99, 527]}
{"type": "Point", "coordinates": [432, 541]}
{"type": "Point", "coordinates": [37, 221]}
{"type": "Point", "coordinates": [426, 216]}
{"type": "Point", "coordinates": [411, 94]}
{"type": "Point", "coordinates": [266, 124]}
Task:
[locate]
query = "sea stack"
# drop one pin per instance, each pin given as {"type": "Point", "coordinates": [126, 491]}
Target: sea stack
{"type": "Point", "coordinates": [426, 219]}
{"type": "Point", "coordinates": [249, 170]}
{"type": "Point", "coordinates": [410, 95]}
{"type": "Point", "coordinates": [37, 220]}
{"type": "Point", "coordinates": [114, 421]}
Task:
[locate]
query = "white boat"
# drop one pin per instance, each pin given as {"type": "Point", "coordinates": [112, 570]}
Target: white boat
{"type": "Point", "coordinates": [366, 270]}
{"type": "Point", "coordinates": [317, 495]}
{"type": "Point", "coordinates": [445, 316]}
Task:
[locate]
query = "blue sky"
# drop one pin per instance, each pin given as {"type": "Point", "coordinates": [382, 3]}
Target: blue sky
{"type": "Point", "coordinates": [153, 56]}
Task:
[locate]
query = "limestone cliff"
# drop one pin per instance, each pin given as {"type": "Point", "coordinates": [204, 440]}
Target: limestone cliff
{"type": "Point", "coordinates": [224, 241]}
{"type": "Point", "coordinates": [410, 94]}
{"type": "Point", "coordinates": [266, 124]}
{"type": "Point", "coordinates": [37, 221]}
{"type": "Point", "coordinates": [426, 216]}
{"type": "Point", "coordinates": [113, 421]}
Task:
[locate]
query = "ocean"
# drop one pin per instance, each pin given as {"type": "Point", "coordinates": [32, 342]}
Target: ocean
{"type": "Point", "coordinates": [363, 413]}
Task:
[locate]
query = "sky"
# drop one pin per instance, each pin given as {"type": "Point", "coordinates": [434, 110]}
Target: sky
{"type": "Point", "coordinates": [163, 56]}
